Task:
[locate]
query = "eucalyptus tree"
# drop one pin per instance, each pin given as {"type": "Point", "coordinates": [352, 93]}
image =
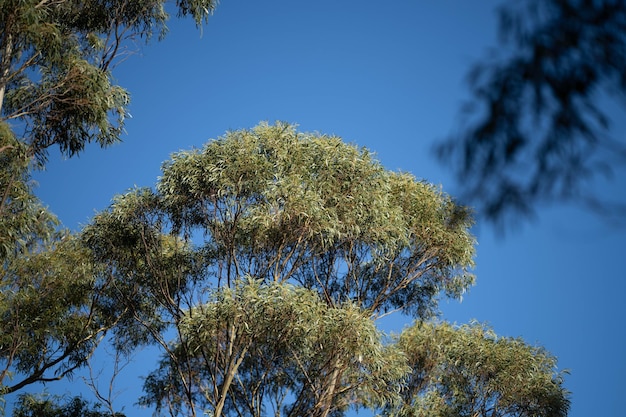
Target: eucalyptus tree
{"type": "Point", "coordinates": [273, 346]}
{"type": "Point", "coordinates": [23, 219]}
{"type": "Point", "coordinates": [57, 89]}
{"type": "Point", "coordinates": [469, 371]}
{"type": "Point", "coordinates": [56, 57]}
{"type": "Point", "coordinates": [280, 205]}
{"type": "Point", "coordinates": [50, 317]}
{"type": "Point", "coordinates": [259, 265]}
{"type": "Point", "coordinates": [29, 405]}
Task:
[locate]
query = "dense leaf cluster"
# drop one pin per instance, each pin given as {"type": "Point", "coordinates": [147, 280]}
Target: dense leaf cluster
{"type": "Point", "coordinates": [50, 321]}
{"type": "Point", "coordinates": [276, 204]}
{"type": "Point", "coordinates": [29, 405]}
{"type": "Point", "coordinates": [56, 89]}
{"type": "Point", "coordinates": [56, 85]}
{"type": "Point", "coordinates": [23, 219]}
{"type": "Point", "coordinates": [468, 371]}
{"type": "Point", "coordinates": [261, 346]}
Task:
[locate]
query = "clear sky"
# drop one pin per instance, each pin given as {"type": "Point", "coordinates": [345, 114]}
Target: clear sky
{"type": "Point", "coordinates": [388, 76]}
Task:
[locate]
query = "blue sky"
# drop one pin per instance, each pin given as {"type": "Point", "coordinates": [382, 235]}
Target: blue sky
{"type": "Point", "coordinates": [388, 76]}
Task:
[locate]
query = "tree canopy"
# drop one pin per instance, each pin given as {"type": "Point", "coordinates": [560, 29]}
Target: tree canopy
{"type": "Point", "coordinates": [50, 319]}
{"type": "Point", "coordinates": [29, 405]}
{"type": "Point", "coordinates": [56, 84]}
{"type": "Point", "coordinates": [469, 371]}
{"type": "Point", "coordinates": [57, 89]}
{"type": "Point", "coordinates": [279, 205]}
{"type": "Point", "coordinates": [259, 265]}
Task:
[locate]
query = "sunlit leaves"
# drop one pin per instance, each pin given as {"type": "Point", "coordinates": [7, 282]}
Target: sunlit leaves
{"type": "Point", "coordinates": [280, 204]}
{"type": "Point", "coordinates": [259, 264]}
{"type": "Point", "coordinates": [51, 319]}
{"type": "Point", "coordinates": [277, 346]}
{"type": "Point", "coordinates": [29, 405]}
{"type": "Point", "coordinates": [538, 121]}
{"type": "Point", "coordinates": [328, 239]}
{"type": "Point", "coordinates": [57, 89]}
{"type": "Point", "coordinates": [154, 273]}
{"type": "Point", "coordinates": [56, 60]}
{"type": "Point", "coordinates": [24, 221]}
{"type": "Point", "coordinates": [468, 371]}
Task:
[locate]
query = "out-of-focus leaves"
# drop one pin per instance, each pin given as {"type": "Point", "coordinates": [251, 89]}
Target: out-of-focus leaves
{"type": "Point", "coordinates": [536, 128]}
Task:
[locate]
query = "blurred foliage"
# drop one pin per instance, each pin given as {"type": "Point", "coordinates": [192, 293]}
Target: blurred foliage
{"type": "Point", "coordinates": [537, 128]}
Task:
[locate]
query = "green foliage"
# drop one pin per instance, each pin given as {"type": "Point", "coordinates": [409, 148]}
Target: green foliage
{"type": "Point", "coordinates": [155, 273]}
{"type": "Point", "coordinates": [328, 239]}
{"type": "Point", "coordinates": [51, 318]}
{"type": "Point", "coordinates": [23, 220]}
{"type": "Point", "coordinates": [259, 265]}
{"type": "Point", "coordinates": [280, 205]}
{"type": "Point", "coordinates": [56, 89]}
{"type": "Point", "coordinates": [29, 405]}
{"type": "Point", "coordinates": [55, 67]}
{"type": "Point", "coordinates": [259, 346]}
{"type": "Point", "coordinates": [468, 371]}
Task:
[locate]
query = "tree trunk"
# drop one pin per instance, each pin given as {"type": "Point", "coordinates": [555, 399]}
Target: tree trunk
{"type": "Point", "coordinates": [5, 62]}
{"type": "Point", "coordinates": [231, 371]}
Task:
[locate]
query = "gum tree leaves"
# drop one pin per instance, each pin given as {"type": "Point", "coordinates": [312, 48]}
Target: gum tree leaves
{"type": "Point", "coordinates": [281, 205]}
{"type": "Point", "coordinates": [56, 85]}
{"type": "Point", "coordinates": [468, 371]}
{"type": "Point", "coordinates": [259, 265]}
